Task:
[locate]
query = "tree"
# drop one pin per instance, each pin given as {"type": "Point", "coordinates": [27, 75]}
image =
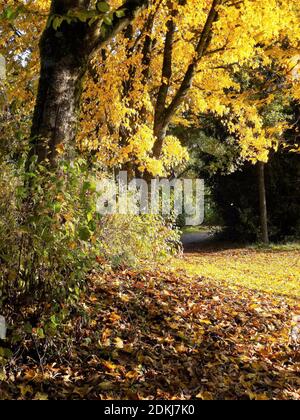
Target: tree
{"type": "Point", "coordinates": [215, 150]}
{"type": "Point", "coordinates": [76, 30]}
{"type": "Point", "coordinates": [174, 61]}
{"type": "Point", "coordinates": [66, 52]}
{"type": "Point", "coordinates": [240, 212]}
{"type": "Point", "coordinates": [263, 203]}
{"type": "Point", "coordinates": [180, 61]}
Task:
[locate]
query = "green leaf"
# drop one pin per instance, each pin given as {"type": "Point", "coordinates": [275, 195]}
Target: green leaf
{"type": "Point", "coordinates": [103, 7]}
{"type": "Point", "coordinates": [40, 333]}
{"type": "Point", "coordinates": [7, 353]}
{"type": "Point", "coordinates": [120, 13]}
{"type": "Point", "coordinates": [86, 186]}
{"type": "Point", "coordinates": [57, 207]}
{"type": "Point", "coordinates": [28, 328]}
{"type": "Point", "coordinates": [84, 233]}
{"type": "Point", "coordinates": [9, 13]}
{"type": "Point", "coordinates": [90, 216]}
{"type": "Point", "coordinates": [57, 21]}
{"type": "Point", "coordinates": [50, 22]}
{"type": "Point", "coordinates": [103, 31]}
{"type": "Point", "coordinates": [107, 20]}
{"type": "Point", "coordinates": [82, 16]}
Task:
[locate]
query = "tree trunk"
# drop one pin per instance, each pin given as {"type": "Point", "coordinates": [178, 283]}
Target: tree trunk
{"type": "Point", "coordinates": [65, 56]}
{"type": "Point", "coordinates": [160, 132]}
{"type": "Point", "coordinates": [263, 203]}
{"type": "Point", "coordinates": [63, 67]}
{"type": "Point", "coordinates": [164, 114]}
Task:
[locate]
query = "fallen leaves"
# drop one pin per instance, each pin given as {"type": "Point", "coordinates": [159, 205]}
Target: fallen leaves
{"type": "Point", "coordinates": [119, 344]}
{"type": "Point", "coordinates": [184, 337]}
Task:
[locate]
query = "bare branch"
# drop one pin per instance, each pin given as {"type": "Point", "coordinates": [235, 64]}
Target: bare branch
{"type": "Point", "coordinates": [186, 84]}
{"type": "Point", "coordinates": [166, 73]}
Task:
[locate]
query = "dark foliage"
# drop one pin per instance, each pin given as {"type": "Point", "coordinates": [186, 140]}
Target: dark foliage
{"type": "Point", "coordinates": [236, 196]}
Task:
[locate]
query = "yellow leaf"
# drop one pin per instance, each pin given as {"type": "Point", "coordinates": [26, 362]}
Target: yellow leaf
{"type": "Point", "coordinates": [206, 396]}
{"type": "Point", "coordinates": [60, 148]}
{"type": "Point", "coordinates": [41, 397]}
{"type": "Point", "coordinates": [109, 365]}
{"type": "Point", "coordinates": [114, 317]}
{"type": "Point", "coordinates": [119, 343]}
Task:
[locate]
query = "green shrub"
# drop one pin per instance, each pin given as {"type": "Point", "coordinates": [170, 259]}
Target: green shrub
{"type": "Point", "coordinates": [138, 240]}
{"type": "Point", "coordinates": [51, 235]}
{"type": "Point", "coordinates": [47, 231]}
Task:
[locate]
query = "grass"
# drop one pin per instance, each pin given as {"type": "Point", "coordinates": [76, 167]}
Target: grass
{"type": "Point", "coordinates": [274, 270]}
{"type": "Point", "coordinates": [290, 246]}
{"type": "Point", "coordinates": [196, 229]}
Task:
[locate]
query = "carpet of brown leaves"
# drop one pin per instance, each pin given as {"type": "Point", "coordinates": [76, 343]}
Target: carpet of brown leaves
{"type": "Point", "coordinates": [163, 336]}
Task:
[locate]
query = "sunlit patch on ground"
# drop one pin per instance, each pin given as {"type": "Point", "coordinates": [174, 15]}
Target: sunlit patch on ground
{"type": "Point", "coordinates": [273, 271]}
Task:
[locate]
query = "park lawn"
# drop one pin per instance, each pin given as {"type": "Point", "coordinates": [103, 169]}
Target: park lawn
{"type": "Point", "coordinates": [274, 270]}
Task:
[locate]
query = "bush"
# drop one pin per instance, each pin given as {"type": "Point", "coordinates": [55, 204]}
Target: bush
{"type": "Point", "coordinates": [47, 237]}
{"type": "Point", "coordinates": [138, 240]}
{"type": "Point", "coordinates": [51, 236]}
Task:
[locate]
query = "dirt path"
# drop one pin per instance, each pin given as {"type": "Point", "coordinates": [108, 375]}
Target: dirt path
{"type": "Point", "coordinates": [203, 241]}
{"type": "Point", "coordinates": [197, 238]}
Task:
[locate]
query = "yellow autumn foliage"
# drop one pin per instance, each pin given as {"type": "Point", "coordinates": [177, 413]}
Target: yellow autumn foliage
{"type": "Point", "coordinates": [122, 85]}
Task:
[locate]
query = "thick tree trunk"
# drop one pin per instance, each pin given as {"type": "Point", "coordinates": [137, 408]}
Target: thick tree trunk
{"type": "Point", "coordinates": [65, 56]}
{"type": "Point", "coordinates": [63, 66]}
{"type": "Point", "coordinates": [263, 203]}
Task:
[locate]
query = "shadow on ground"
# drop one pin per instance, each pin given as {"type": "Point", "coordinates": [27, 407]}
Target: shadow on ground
{"type": "Point", "coordinates": [206, 242]}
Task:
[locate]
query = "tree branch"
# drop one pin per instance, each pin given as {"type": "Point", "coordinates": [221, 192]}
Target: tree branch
{"type": "Point", "coordinates": [166, 74]}
{"type": "Point", "coordinates": [131, 8]}
{"type": "Point", "coordinates": [200, 51]}
{"type": "Point", "coordinates": [186, 84]}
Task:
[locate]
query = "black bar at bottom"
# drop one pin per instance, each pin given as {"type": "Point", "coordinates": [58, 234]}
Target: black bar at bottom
{"type": "Point", "coordinates": [136, 409]}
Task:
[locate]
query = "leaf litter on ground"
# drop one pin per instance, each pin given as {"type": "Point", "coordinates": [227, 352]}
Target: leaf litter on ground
{"type": "Point", "coordinates": [162, 335]}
